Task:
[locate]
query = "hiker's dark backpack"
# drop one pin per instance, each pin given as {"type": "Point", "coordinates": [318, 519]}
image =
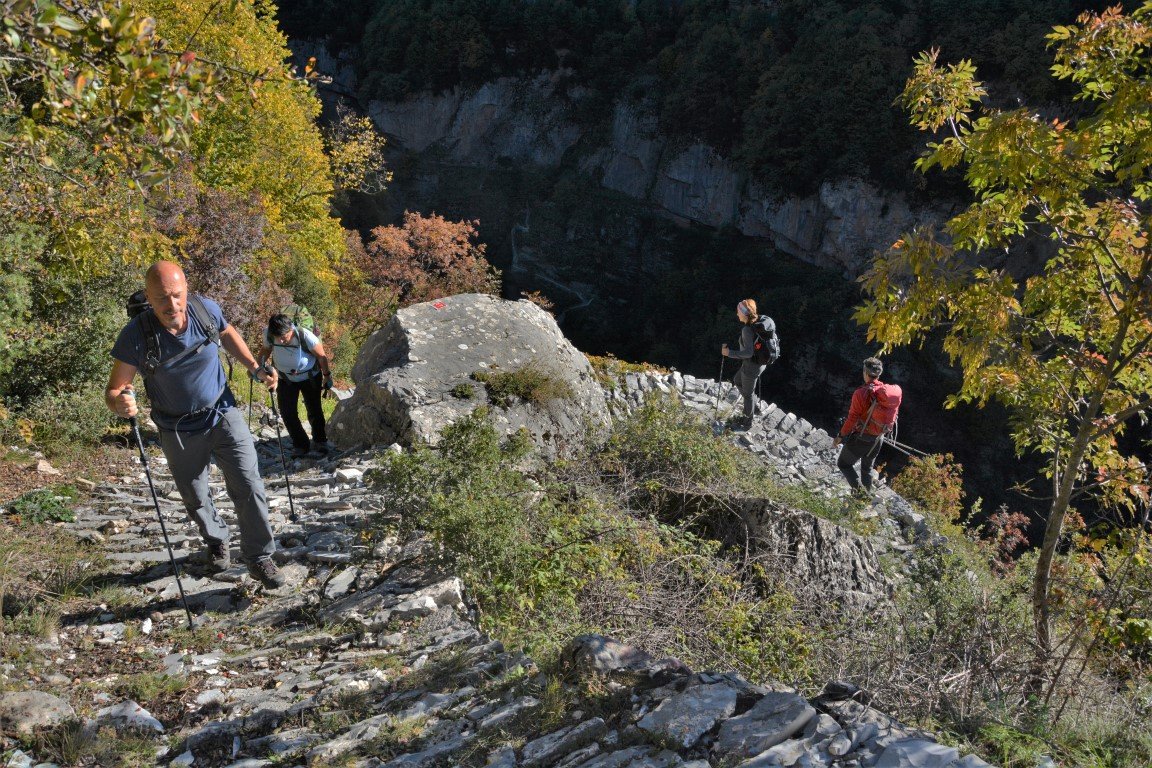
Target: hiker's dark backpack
{"type": "Point", "coordinates": [767, 347]}
{"type": "Point", "coordinates": [137, 304]}
{"type": "Point", "coordinates": [884, 410]}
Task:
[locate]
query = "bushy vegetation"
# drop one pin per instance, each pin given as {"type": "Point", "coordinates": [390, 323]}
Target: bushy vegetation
{"type": "Point", "coordinates": [599, 542]}
{"type": "Point", "coordinates": [529, 383]}
{"type": "Point", "coordinates": [550, 552]}
{"type": "Point", "coordinates": [800, 91]}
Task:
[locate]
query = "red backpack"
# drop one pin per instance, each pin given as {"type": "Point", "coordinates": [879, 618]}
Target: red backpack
{"type": "Point", "coordinates": [882, 414]}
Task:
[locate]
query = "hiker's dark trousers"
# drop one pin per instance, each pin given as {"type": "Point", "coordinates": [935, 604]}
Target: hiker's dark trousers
{"type": "Point", "coordinates": [310, 389]}
{"type": "Point", "coordinates": [863, 449]}
{"type": "Point", "coordinates": [746, 378]}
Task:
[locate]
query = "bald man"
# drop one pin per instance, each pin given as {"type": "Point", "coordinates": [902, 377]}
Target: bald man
{"type": "Point", "coordinates": [196, 414]}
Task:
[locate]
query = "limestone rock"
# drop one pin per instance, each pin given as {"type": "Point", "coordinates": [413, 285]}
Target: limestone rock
{"type": "Point", "coordinates": [603, 655]}
{"type": "Point", "coordinates": [682, 719]}
{"type": "Point", "coordinates": [917, 753]}
{"type": "Point", "coordinates": [24, 711]}
{"type": "Point", "coordinates": [526, 120]}
{"type": "Point", "coordinates": [408, 373]}
{"type": "Point", "coordinates": [775, 718]}
{"type": "Point", "coordinates": [129, 716]}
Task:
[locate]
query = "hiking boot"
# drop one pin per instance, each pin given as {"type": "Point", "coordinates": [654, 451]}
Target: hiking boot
{"type": "Point", "coordinates": [266, 572]}
{"type": "Point", "coordinates": [299, 453]}
{"type": "Point", "coordinates": [217, 557]}
{"type": "Point", "coordinates": [322, 448]}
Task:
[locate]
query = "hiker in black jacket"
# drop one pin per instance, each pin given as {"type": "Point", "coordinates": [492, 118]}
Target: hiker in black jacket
{"type": "Point", "coordinates": [750, 370]}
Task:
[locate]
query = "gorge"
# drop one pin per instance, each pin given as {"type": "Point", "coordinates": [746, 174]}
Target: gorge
{"type": "Point", "coordinates": [644, 244]}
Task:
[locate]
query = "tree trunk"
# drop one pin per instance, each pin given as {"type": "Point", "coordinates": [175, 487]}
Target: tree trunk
{"type": "Point", "coordinates": [1066, 470]}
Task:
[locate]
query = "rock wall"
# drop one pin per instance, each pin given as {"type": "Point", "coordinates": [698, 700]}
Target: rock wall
{"type": "Point", "coordinates": [841, 226]}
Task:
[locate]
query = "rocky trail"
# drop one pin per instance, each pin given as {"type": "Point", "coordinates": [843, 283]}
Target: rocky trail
{"type": "Point", "coordinates": [369, 655]}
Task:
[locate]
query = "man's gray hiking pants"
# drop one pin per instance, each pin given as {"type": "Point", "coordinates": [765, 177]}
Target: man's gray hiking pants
{"type": "Point", "coordinates": [231, 445]}
{"type": "Point", "coordinates": [863, 449]}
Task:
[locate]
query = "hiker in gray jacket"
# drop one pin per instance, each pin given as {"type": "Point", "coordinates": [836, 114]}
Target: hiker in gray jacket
{"type": "Point", "coordinates": [750, 370]}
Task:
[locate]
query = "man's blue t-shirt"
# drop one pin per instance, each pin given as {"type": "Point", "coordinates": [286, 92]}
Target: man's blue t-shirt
{"type": "Point", "coordinates": [192, 385]}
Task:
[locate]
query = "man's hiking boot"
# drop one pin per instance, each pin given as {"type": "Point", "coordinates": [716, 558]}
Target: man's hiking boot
{"type": "Point", "coordinates": [266, 572]}
{"type": "Point", "coordinates": [741, 424]}
{"type": "Point", "coordinates": [299, 453]}
{"type": "Point", "coordinates": [322, 448]}
{"type": "Point", "coordinates": [217, 557]}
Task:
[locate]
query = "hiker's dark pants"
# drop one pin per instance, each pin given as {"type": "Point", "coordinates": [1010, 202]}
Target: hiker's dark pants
{"type": "Point", "coordinates": [286, 394]}
{"type": "Point", "coordinates": [746, 378]}
{"type": "Point", "coordinates": [863, 449]}
{"type": "Point", "coordinates": [230, 445]}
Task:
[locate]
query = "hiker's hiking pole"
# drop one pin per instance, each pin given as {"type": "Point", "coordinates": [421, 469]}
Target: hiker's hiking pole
{"type": "Point", "coordinates": [283, 463]}
{"type": "Point", "coordinates": [249, 403]}
{"type": "Point", "coordinates": [719, 386]}
{"type": "Point", "coordinates": [159, 516]}
{"type": "Point", "coordinates": [907, 450]}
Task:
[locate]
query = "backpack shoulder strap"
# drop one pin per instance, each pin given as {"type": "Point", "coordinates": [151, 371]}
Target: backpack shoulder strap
{"type": "Point", "coordinates": [204, 317]}
{"type": "Point", "coordinates": [152, 336]}
{"type": "Point", "coordinates": [151, 343]}
{"type": "Point", "coordinates": [304, 343]}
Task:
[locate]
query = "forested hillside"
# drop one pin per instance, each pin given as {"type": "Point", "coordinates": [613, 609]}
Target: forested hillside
{"type": "Point", "coordinates": [798, 90]}
{"type": "Point", "coordinates": [163, 130]}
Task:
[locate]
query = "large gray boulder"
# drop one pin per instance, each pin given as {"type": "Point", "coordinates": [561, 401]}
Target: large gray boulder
{"type": "Point", "coordinates": [414, 376]}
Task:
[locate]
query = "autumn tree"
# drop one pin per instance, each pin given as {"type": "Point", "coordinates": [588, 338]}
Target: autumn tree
{"type": "Point", "coordinates": [133, 132]}
{"type": "Point", "coordinates": [427, 257]}
{"type": "Point", "coordinates": [1066, 349]}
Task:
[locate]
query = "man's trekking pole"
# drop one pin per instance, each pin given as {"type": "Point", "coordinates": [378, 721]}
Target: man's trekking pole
{"type": "Point", "coordinates": [160, 517]}
{"type": "Point", "coordinates": [283, 463]}
{"type": "Point", "coordinates": [249, 403]}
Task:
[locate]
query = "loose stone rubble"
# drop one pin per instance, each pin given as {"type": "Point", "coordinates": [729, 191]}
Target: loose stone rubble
{"type": "Point", "coordinates": [369, 653]}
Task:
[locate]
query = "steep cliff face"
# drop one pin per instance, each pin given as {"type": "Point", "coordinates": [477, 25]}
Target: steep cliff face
{"type": "Point", "coordinates": [516, 120]}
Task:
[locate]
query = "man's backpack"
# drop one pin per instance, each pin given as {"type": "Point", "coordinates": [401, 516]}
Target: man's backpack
{"type": "Point", "coordinates": [301, 318]}
{"type": "Point", "coordinates": [885, 408]}
{"type": "Point", "coordinates": [767, 347]}
{"type": "Point", "coordinates": [137, 304]}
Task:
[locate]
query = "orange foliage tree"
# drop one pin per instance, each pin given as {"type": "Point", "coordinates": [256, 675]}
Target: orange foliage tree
{"type": "Point", "coordinates": [425, 258]}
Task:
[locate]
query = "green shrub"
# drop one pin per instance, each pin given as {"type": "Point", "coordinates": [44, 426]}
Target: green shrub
{"type": "Point", "coordinates": [664, 444]}
{"type": "Point", "coordinates": [463, 391]}
{"type": "Point", "coordinates": [67, 338]}
{"type": "Point", "coordinates": [563, 551]}
{"type": "Point", "coordinates": [935, 485]}
{"type": "Point", "coordinates": [45, 505]}
{"type": "Point", "coordinates": [470, 495]}
{"type": "Point", "coordinates": [530, 383]}
{"type": "Point", "coordinates": [71, 419]}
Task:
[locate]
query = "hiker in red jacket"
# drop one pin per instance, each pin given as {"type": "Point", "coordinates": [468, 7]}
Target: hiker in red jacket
{"type": "Point", "coordinates": [871, 416]}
